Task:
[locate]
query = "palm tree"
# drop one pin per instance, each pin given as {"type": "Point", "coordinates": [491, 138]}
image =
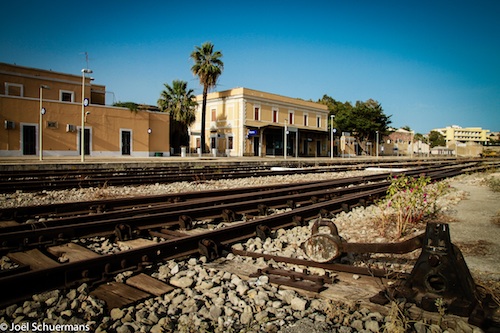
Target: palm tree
{"type": "Point", "coordinates": [208, 67]}
{"type": "Point", "coordinates": [181, 103]}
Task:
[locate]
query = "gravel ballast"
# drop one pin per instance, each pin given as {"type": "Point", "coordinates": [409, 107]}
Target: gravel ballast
{"type": "Point", "coordinates": [207, 299]}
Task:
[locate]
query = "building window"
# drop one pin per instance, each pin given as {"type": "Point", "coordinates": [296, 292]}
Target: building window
{"type": "Point", "coordinates": [67, 96]}
{"type": "Point", "coordinates": [305, 119]}
{"type": "Point", "coordinates": [275, 116]}
{"type": "Point", "coordinates": [230, 142]}
{"type": "Point", "coordinates": [318, 121]}
{"type": "Point", "coordinates": [256, 113]}
{"type": "Point", "coordinates": [214, 115]}
{"type": "Point", "coordinates": [290, 118]}
{"type": "Point", "coordinates": [14, 89]}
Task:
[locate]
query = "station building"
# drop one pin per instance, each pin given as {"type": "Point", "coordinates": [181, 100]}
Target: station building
{"type": "Point", "coordinates": [108, 131]}
{"type": "Point", "coordinates": [246, 122]}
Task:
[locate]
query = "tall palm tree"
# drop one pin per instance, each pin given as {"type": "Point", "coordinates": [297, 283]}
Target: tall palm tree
{"type": "Point", "coordinates": [181, 103]}
{"type": "Point", "coordinates": [208, 66]}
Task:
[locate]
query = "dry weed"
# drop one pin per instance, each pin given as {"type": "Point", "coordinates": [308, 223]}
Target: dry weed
{"type": "Point", "coordinates": [398, 322]}
{"type": "Point", "coordinates": [496, 219]}
{"type": "Point", "coordinates": [477, 248]}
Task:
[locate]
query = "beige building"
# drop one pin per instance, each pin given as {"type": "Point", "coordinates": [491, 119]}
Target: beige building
{"type": "Point", "coordinates": [246, 122]}
{"type": "Point", "coordinates": [402, 142]}
{"type": "Point", "coordinates": [109, 131]}
{"type": "Point", "coordinates": [465, 141]}
{"type": "Point", "coordinates": [457, 134]}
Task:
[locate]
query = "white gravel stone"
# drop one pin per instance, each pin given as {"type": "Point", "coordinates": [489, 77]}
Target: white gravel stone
{"type": "Point", "coordinates": [372, 325]}
{"type": "Point", "coordinates": [182, 282]}
{"type": "Point", "coordinates": [298, 304]}
{"type": "Point", "coordinates": [116, 313]}
{"type": "Point", "coordinates": [357, 325]}
{"type": "Point", "coordinates": [205, 296]}
{"type": "Point", "coordinates": [247, 316]}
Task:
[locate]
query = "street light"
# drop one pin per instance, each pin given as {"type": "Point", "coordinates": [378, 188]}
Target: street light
{"type": "Point", "coordinates": [84, 101]}
{"type": "Point", "coordinates": [411, 141]}
{"type": "Point", "coordinates": [377, 144]}
{"type": "Point", "coordinates": [284, 140]}
{"type": "Point", "coordinates": [42, 112]}
{"type": "Point", "coordinates": [331, 129]}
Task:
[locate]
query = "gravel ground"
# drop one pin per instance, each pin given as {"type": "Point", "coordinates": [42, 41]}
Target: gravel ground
{"type": "Point", "coordinates": [211, 300]}
{"type": "Point", "coordinates": [20, 198]}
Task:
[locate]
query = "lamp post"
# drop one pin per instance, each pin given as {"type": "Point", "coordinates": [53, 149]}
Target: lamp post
{"type": "Point", "coordinates": [331, 139]}
{"type": "Point", "coordinates": [82, 137]}
{"type": "Point", "coordinates": [284, 140]}
{"type": "Point", "coordinates": [377, 144]}
{"type": "Point", "coordinates": [42, 112]}
{"type": "Point", "coordinates": [411, 142]}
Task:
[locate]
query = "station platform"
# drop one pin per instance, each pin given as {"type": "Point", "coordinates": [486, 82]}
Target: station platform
{"type": "Point", "coordinates": [73, 162]}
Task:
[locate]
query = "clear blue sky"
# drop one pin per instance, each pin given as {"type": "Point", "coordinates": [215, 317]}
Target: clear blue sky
{"type": "Point", "coordinates": [429, 63]}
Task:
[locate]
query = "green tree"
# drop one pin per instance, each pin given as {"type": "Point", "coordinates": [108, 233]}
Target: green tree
{"type": "Point", "coordinates": [208, 66]}
{"type": "Point", "coordinates": [436, 139]}
{"type": "Point", "coordinates": [337, 109]}
{"type": "Point", "coordinates": [369, 118]}
{"type": "Point", "coordinates": [420, 137]}
{"type": "Point", "coordinates": [363, 120]}
{"type": "Point", "coordinates": [129, 105]}
{"type": "Point", "coordinates": [180, 102]}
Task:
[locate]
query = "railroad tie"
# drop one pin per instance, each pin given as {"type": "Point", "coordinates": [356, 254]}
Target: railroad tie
{"type": "Point", "coordinates": [305, 281]}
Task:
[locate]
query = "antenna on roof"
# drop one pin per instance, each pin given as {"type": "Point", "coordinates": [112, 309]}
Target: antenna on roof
{"type": "Point", "coordinates": [86, 58]}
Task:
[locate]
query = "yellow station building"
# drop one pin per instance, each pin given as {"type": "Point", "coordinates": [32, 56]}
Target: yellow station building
{"type": "Point", "coordinates": [56, 131]}
{"type": "Point", "coordinates": [41, 114]}
{"type": "Point", "coordinates": [246, 122]}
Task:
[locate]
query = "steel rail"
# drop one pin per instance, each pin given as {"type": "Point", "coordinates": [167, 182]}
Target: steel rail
{"type": "Point", "coordinates": [114, 177]}
{"type": "Point", "coordinates": [102, 267]}
{"type": "Point", "coordinates": [89, 225]}
{"type": "Point", "coordinates": [22, 214]}
{"type": "Point", "coordinates": [19, 286]}
{"type": "Point", "coordinates": [64, 229]}
{"type": "Point", "coordinates": [96, 178]}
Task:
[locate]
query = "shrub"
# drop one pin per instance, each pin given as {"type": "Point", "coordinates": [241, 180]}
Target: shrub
{"type": "Point", "coordinates": [409, 200]}
{"type": "Point", "coordinates": [494, 184]}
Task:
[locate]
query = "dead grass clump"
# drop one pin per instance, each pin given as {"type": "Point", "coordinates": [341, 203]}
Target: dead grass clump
{"type": "Point", "coordinates": [476, 248]}
{"type": "Point", "coordinates": [496, 219]}
{"type": "Point", "coordinates": [494, 183]}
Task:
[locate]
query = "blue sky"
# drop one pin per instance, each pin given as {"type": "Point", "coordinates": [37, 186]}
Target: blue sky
{"type": "Point", "coordinates": [429, 63]}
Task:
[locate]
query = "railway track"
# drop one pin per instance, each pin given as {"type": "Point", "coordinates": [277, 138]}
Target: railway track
{"type": "Point", "coordinates": [174, 243]}
{"type": "Point", "coordinates": [58, 222]}
{"type": "Point", "coordinates": [174, 221]}
{"type": "Point", "coordinates": [38, 180]}
{"type": "Point", "coordinates": [98, 269]}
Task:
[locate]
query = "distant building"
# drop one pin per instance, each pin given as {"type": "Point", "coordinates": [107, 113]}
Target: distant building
{"type": "Point", "coordinates": [464, 134]}
{"type": "Point", "coordinates": [465, 141]}
{"type": "Point", "coordinates": [109, 131]}
{"type": "Point", "coordinates": [401, 142]}
{"type": "Point", "coordinates": [494, 137]}
{"type": "Point", "coordinates": [246, 122]}
{"type": "Point", "coordinates": [442, 151]}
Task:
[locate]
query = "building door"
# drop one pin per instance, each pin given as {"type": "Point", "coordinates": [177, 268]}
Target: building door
{"type": "Point", "coordinates": [318, 148]}
{"type": "Point", "coordinates": [126, 140]}
{"type": "Point", "coordinates": [29, 140]}
{"type": "Point", "coordinates": [255, 146]}
{"type": "Point", "coordinates": [86, 139]}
